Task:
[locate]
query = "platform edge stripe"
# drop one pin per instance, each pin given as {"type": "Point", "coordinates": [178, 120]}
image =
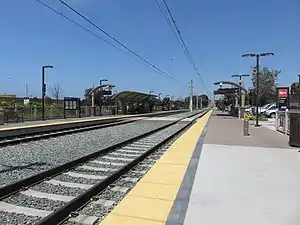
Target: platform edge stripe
{"type": "Point", "coordinates": [202, 123]}
{"type": "Point", "coordinates": [180, 206]}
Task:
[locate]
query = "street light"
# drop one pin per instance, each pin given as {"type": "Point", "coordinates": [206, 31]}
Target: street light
{"type": "Point", "coordinates": [240, 76]}
{"type": "Point", "coordinates": [102, 81]}
{"type": "Point", "coordinates": [257, 76]}
{"type": "Point", "coordinates": [44, 89]}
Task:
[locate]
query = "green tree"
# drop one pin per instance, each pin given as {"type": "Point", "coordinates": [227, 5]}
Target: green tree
{"type": "Point", "coordinates": [295, 88]}
{"type": "Point", "coordinates": [267, 85]}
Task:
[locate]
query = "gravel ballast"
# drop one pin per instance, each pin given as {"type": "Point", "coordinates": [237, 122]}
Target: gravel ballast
{"type": "Point", "coordinates": [32, 202]}
{"type": "Point", "coordinates": [57, 189]}
{"type": "Point", "coordinates": [16, 219]}
{"type": "Point", "coordinates": [26, 159]}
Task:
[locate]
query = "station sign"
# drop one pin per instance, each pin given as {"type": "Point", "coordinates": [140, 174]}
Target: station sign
{"type": "Point", "coordinates": [106, 92]}
{"type": "Point", "coordinates": [283, 95]}
{"type": "Point", "coordinates": [222, 91]}
{"type": "Point", "coordinates": [71, 103]}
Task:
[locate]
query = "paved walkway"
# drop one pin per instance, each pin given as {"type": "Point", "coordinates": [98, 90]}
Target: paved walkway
{"type": "Point", "coordinates": [245, 179]}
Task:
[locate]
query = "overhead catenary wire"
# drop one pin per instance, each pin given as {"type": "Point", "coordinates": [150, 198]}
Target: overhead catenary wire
{"type": "Point", "coordinates": [187, 53]}
{"type": "Point", "coordinates": [120, 43]}
{"type": "Point", "coordinates": [82, 27]}
{"type": "Point", "coordinates": [130, 53]}
{"type": "Point", "coordinates": [169, 23]}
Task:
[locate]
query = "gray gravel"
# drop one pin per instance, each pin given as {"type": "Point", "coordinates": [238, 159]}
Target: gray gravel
{"type": "Point", "coordinates": [93, 209]}
{"type": "Point", "coordinates": [108, 194]}
{"type": "Point", "coordinates": [123, 183]}
{"type": "Point", "coordinates": [67, 178]}
{"type": "Point", "coordinates": [43, 153]}
{"type": "Point", "coordinates": [32, 202]}
{"type": "Point", "coordinates": [16, 219]}
{"type": "Point", "coordinates": [57, 189]}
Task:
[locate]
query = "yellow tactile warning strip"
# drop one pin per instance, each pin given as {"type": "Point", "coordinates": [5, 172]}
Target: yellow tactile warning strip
{"type": "Point", "coordinates": [150, 201]}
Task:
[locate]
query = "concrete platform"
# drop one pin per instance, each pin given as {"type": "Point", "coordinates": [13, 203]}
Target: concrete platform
{"type": "Point", "coordinates": [213, 175]}
{"type": "Point", "coordinates": [245, 180]}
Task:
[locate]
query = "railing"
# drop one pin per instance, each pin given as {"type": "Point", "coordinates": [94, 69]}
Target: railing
{"type": "Point", "coordinates": [33, 113]}
{"type": "Point", "coordinates": [282, 122]}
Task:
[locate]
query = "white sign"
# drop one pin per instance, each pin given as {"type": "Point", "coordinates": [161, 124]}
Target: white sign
{"type": "Point", "coordinates": [26, 101]}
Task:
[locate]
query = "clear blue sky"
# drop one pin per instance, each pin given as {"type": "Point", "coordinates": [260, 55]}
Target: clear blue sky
{"type": "Point", "coordinates": [216, 32]}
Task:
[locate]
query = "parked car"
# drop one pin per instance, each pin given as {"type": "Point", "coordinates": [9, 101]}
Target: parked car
{"type": "Point", "coordinates": [271, 112]}
{"type": "Point", "coordinates": [264, 108]}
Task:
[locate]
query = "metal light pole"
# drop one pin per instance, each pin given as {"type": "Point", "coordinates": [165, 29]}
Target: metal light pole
{"type": "Point", "coordinates": [44, 89]}
{"type": "Point", "coordinates": [257, 76]}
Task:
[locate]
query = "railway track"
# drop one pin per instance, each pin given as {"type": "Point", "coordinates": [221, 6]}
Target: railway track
{"type": "Point", "coordinates": [41, 135]}
{"type": "Point", "coordinates": [46, 134]}
{"type": "Point", "coordinates": [57, 195]}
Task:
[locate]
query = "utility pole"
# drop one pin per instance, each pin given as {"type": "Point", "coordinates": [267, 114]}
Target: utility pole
{"type": "Point", "coordinates": [191, 95]}
{"type": "Point", "coordinates": [257, 77]}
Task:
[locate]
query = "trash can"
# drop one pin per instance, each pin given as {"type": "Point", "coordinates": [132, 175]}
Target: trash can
{"type": "Point", "coordinates": [294, 129]}
{"type": "Point", "coordinates": [1, 117]}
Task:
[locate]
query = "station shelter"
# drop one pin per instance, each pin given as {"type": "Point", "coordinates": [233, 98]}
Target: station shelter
{"type": "Point", "coordinates": [131, 102]}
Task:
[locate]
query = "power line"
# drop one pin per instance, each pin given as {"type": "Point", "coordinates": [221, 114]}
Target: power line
{"type": "Point", "coordinates": [82, 27]}
{"type": "Point", "coordinates": [107, 42]}
{"type": "Point", "coordinates": [169, 23]}
{"type": "Point", "coordinates": [183, 44]}
{"type": "Point", "coordinates": [120, 43]}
